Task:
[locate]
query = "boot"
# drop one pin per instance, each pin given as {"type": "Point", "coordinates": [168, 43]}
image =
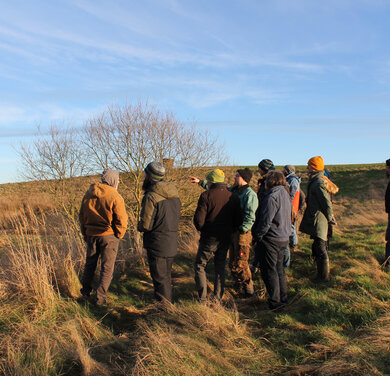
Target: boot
{"type": "Point", "coordinates": [322, 271]}
{"type": "Point", "coordinates": [325, 270]}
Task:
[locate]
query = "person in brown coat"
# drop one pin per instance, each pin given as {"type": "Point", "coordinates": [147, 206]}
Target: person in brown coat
{"type": "Point", "coordinates": [217, 217]}
{"type": "Point", "coordinates": [103, 222]}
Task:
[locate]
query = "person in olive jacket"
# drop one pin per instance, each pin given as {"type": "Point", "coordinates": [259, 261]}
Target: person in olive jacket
{"type": "Point", "coordinates": [159, 221]}
{"type": "Point", "coordinates": [317, 216]}
{"type": "Point", "coordinates": [217, 216]}
{"type": "Point", "coordinates": [103, 222]}
{"type": "Point", "coordinates": [387, 204]}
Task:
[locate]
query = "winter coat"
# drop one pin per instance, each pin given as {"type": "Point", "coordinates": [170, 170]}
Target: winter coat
{"type": "Point", "coordinates": [248, 204]}
{"type": "Point", "coordinates": [159, 220]}
{"type": "Point", "coordinates": [294, 181]}
{"type": "Point", "coordinates": [103, 212]}
{"type": "Point", "coordinates": [218, 213]}
{"type": "Point", "coordinates": [318, 212]}
{"type": "Point", "coordinates": [274, 216]}
{"type": "Point", "coordinates": [387, 199]}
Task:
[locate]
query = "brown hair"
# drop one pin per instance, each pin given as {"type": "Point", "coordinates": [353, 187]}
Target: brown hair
{"type": "Point", "coordinates": [275, 178]}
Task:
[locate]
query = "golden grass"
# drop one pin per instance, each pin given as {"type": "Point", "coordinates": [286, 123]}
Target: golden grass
{"type": "Point", "coordinates": [199, 340]}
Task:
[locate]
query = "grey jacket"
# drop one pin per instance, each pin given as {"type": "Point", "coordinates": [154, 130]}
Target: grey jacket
{"type": "Point", "coordinates": [274, 221]}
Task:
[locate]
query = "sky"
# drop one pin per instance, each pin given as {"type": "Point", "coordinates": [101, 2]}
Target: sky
{"type": "Point", "coordinates": [278, 79]}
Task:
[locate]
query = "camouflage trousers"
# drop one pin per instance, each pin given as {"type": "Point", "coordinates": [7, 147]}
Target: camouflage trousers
{"type": "Point", "coordinates": [239, 256]}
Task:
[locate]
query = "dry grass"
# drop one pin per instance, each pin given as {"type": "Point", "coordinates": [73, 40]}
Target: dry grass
{"type": "Point", "coordinates": [194, 339]}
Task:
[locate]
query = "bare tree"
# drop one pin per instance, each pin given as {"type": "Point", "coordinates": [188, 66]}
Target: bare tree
{"type": "Point", "coordinates": [127, 137]}
{"type": "Point", "coordinates": [55, 156]}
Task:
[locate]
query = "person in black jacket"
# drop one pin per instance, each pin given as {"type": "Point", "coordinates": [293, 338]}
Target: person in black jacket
{"type": "Point", "coordinates": [217, 216]}
{"type": "Point", "coordinates": [271, 235]}
{"type": "Point", "coordinates": [159, 222]}
{"type": "Point", "coordinates": [387, 204]}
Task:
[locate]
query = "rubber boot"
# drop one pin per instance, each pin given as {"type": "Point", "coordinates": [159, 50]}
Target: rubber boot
{"type": "Point", "coordinates": [325, 270]}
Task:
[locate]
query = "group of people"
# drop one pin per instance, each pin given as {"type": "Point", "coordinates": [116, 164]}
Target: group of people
{"type": "Point", "coordinates": [230, 219]}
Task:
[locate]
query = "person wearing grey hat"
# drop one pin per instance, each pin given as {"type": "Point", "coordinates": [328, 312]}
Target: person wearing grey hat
{"type": "Point", "coordinates": [103, 222]}
{"type": "Point", "coordinates": [160, 214]}
{"type": "Point", "coordinates": [387, 204]}
{"type": "Point", "coordinates": [294, 182]}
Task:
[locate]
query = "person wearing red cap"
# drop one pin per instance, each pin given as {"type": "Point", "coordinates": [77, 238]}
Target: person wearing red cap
{"type": "Point", "coordinates": [317, 216]}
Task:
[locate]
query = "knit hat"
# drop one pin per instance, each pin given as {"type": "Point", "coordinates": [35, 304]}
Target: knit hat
{"type": "Point", "coordinates": [317, 163]}
{"type": "Point", "coordinates": [215, 176]}
{"type": "Point", "coordinates": [155, 171]}
{"type": "Point", "coordinates": [289, 169]}
{"type": "Point", "coordinates": [246, 174]}
{"type": "Point", "coordinates": [388, 162]}
{"type": "Point", "coordinates": [110, 177]}
{"type": "Point", "coordinates": [266, 165]}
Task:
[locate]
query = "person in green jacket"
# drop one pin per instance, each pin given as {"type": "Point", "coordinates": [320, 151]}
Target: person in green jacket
{"type": "Point", "coordinates": [242, 239]}
{"type": "Point", "coordinates": [317, 216]}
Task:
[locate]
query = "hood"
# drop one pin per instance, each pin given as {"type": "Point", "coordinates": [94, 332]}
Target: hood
{"type": "Point", "coordinates": [164, 189]}
{"type": "Point", "coordinates": [99, 190]}
{"type": "Point", "coordinates": [278, 188]}
{"type": "Point", "coordinates": [291, 176]}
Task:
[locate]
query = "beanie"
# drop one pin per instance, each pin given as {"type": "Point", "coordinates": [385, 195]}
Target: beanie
{"type": "Point", "coordinates": [215, 176]}
{"type": "Point", "coordinates": [317, 163]}
{"type": "Point", "coordinates": [246, 174]}
{"type": "Point", "coordinates": [110, 177]}
{"type": "Point", "coordinates": [266, 165]}
{"type": "Point", "coordinates": [388, 162]}
{"type": "Point", "coordinates": [155, 171]}
{"type": "Point", "coordinates": [289, 169]}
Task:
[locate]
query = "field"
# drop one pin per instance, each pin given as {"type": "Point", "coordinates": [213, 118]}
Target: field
{"type": "Point", "coordinates": [338, 328]}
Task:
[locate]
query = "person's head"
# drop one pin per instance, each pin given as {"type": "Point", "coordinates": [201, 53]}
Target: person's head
{"type": "Point", "coordinates": [215, 176]}
{"type": "Point", "coordinates": [264, 166]}
{"type": "Point", "coordinates": [274, 178]}
{"type": "Point", "coordinates": [154, 173]}
{"type": "Point", "coordinates": [288, 169]}
{"type": "Point", "coordinates": [315, 164]}
{"type": "Point", "coordinates": [388, 168]}
{"type": "Point", "coordinates": [110, 177]}
{"type": "Point", "coordinates": [243, 176]}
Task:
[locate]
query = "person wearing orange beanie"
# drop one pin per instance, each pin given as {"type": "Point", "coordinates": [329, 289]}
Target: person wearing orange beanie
{"type": "Point", "coordinates": [316, 163]}
{"type": "Point", "coordinates": [317, 216]}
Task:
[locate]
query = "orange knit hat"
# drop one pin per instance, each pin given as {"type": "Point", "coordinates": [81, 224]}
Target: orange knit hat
{"type": "Point", "coordinates": [317, 163]}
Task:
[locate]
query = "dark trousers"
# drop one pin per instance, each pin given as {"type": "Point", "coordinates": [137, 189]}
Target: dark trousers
{"type": "Point", "coordinates": [271, 256]}
{"type": "Point", "coordinates": [320, 249]}
{"type": "Point", "coordinates": [160, 271]}
{"type": "Point", "coordinates": [387, 254]}
{"type": "Point", "coordinates": [208, 248]}
{"type": "Point", "coordinates": [105, 247]}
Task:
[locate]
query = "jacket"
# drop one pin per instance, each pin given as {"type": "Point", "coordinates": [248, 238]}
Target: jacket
{"type": "Point", "coordinates": [218, 213]}
{"type": "Point", "coordinates": [387, 199]}
{"type": "Point", "coordinates": [160, 214]}
{"type": "Point", "coordinates": [294, 181]}
{"type": "Point", "coordinates": [248, 203]}
{"type": "Point", "coordinates": [318, 211]}
{"type": "Point", "coordinates": [103, 212]}
{"type": "Point", "coordinates": [274, 216]}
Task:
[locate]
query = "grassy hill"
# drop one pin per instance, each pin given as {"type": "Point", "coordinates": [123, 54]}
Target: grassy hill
{"type": "Point", "coordinates": [338, 328]}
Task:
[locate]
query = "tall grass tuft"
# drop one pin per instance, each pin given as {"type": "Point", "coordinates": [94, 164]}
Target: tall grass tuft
{"type": "Point", "coordinates": [43, 333]}
{"type": "Point", "coordinates": [195, 339]}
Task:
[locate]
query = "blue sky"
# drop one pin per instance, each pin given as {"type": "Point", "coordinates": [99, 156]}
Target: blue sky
{"type": "Point", "coordinates": [280, 79]}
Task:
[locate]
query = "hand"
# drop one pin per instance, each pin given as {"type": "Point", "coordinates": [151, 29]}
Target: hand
{"type": "Point", "coordinates": [194, 179]}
